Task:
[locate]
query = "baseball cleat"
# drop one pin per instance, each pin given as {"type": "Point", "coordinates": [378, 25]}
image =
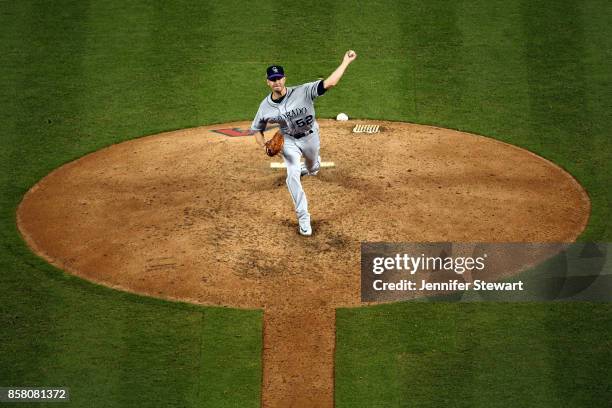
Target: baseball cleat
{"type": "Point", "coordinates": [314, 173]}
{"type": "Point", "coordinates": [304, 170]}
{"type": "Point", "coordinates": [305, 228]}
{"type": "Point", "coordinates": [306, 232]}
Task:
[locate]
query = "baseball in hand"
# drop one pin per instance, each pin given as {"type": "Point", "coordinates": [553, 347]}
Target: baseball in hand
{"type": "Point", "coordinates": [350, 56]}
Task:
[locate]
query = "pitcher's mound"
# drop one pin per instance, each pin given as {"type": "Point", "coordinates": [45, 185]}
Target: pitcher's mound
{"type": "Point", "coordinates": [200, 216]}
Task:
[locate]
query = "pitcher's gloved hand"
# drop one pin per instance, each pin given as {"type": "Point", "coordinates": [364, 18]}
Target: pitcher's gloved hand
{"type": "Point", "coordinates": [275, 145]}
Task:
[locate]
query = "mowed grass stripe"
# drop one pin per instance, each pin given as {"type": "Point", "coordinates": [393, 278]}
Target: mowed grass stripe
{"type": "Point", "coordinates": [439, 69]}
{"type": "Point", "coordinates": [504, 368]}
{"type": "Point", "coordinates": [375, 85]}
{"type": "Point", "coordinates": [120, 95]}
{"type": "Point", "coordinates": [562, 121]}
{"type": "Point", "coordinates": [580, 352]}
{"type": "Point", "coordinates": [45, 88]}
{"type": "Point", "coordinates": [240, 42]}
{"type": "Point", "coordinates": [596, 18]}
{"type": "Point", "coordinates": [560, 66]}
{"type": "Point", "coordinates": [178, 38]}
{"type": "Point", "coordinates": [494, 88]}
{"type": "Point", "coordinates": [29, 310]}
{"type": "Point", "coordinates": [554, 53]}
{"type": "Point", "coordinates": [230, 373]}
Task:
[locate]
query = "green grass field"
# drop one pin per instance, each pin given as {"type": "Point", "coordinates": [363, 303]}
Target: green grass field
{"type": "Point", "coordinates": [81, 75]}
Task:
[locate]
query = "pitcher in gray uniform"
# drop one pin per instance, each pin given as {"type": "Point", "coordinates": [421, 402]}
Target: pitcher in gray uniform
{"type": "Point", "coordinates": [292, 108]}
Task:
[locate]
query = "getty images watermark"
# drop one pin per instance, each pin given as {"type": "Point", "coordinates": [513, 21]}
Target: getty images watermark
{"type": "Point", "coordinates": [486, 271]}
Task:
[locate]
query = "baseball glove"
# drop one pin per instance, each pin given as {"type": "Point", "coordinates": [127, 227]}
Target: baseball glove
{"type": "Point", "coordinates": [275, 145]}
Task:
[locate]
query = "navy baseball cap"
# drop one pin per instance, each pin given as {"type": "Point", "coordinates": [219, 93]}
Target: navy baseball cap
{"type": "Point", "coordinates": [275, 72]}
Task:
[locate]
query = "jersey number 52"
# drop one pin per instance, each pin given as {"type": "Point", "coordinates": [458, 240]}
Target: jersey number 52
{"type": "Point", "coordinates": [304, 122]}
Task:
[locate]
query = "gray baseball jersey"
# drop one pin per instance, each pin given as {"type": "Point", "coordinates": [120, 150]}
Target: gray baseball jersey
{"type": "Point", "coordinates": [295, 113]}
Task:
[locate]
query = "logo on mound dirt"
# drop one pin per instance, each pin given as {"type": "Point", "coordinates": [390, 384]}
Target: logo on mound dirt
{"type": "Point", "coordinates": [237, 132]}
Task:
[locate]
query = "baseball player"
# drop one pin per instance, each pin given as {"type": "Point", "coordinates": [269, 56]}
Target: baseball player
{"type": "Point", "coordinates": [293, 109]}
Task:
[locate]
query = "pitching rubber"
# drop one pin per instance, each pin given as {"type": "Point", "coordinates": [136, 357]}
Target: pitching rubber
{"type": "Point", "coordinates": [277, 165]}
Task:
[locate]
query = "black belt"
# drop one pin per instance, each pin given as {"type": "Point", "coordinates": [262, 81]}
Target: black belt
{"type": "Point", "coordinates": [299, 135]}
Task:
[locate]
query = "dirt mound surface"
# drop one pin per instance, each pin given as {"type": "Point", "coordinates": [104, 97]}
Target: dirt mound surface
{"type": "Point", "coordinates": [199, 216]}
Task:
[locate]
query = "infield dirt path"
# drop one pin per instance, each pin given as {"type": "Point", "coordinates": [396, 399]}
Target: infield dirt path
{"type": "Point", "coordinates": [198, 216]}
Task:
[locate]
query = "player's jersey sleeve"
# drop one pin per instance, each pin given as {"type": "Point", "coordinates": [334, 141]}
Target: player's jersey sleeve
{"type": "Point", "coordinates": [312, 89]}
{"type": "Point", "coordinates": [259, 124]}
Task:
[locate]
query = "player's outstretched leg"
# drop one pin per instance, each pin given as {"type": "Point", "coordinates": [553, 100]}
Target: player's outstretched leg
{"type": "Point", "coordinates": [291, 155]}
